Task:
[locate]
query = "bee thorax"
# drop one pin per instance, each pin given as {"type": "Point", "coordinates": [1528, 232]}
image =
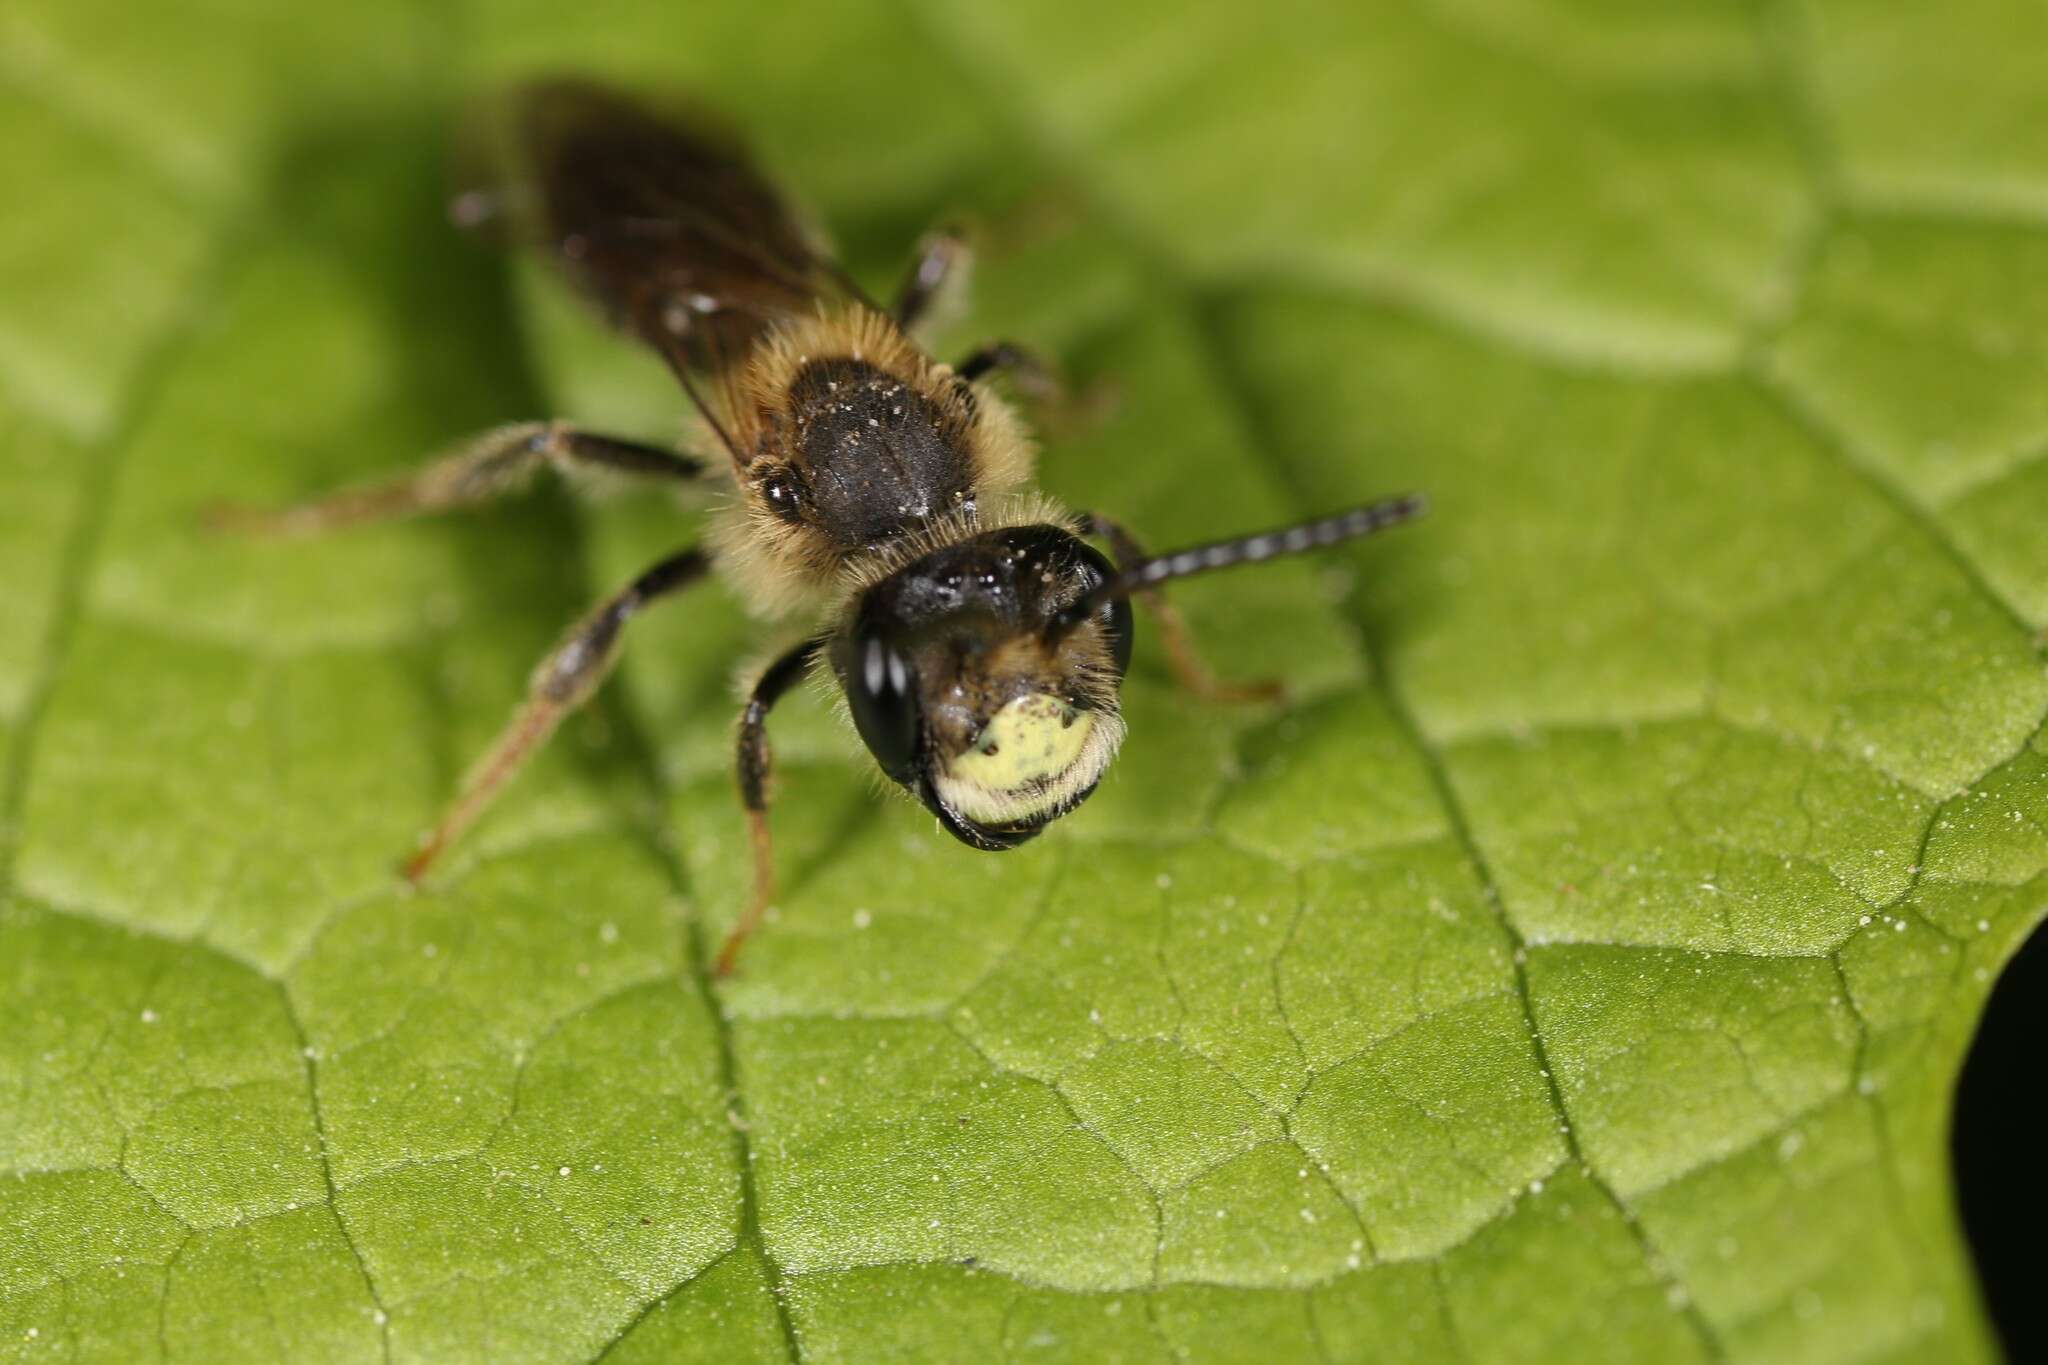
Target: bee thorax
{"type": "Point", "coordinates": [877, 456]}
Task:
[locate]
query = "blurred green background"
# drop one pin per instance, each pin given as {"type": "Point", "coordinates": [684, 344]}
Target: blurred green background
{"type": "Point", "coordinates": [1575, 968]}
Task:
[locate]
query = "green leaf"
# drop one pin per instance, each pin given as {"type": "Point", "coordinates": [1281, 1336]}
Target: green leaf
{"type": "Point", "coordinates": [1576, 967]}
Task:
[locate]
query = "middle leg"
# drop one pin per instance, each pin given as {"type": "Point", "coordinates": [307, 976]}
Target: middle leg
{"type": "Point", "coordinates": [1033, 376]}
{"type": "Point", "coordinates": [563, 682]}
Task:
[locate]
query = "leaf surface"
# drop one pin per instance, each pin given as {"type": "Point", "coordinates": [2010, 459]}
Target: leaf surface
{"type": "Point", "coordinates": [1577, 966]}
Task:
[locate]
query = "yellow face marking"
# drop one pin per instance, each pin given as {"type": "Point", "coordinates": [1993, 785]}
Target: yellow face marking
{"type": "Point", "coordinates": [1031, 740]}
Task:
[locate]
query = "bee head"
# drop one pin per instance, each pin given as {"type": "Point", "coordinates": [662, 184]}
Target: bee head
{"type": "Point", "coordinates": [967, 700]}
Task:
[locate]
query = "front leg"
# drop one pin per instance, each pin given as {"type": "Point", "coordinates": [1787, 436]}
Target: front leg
{"type": "Point", "coordinates": [753, 765]}
{"type": "Point", "coordinates": [563, 682]}
{"type": "Point", "coordinates": [1188, 669]}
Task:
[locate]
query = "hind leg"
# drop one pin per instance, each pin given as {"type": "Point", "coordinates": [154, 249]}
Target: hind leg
{"type": "Point", "coordinates": [495, 463]}
{"type": "Point", "coordinates": [942, 257]}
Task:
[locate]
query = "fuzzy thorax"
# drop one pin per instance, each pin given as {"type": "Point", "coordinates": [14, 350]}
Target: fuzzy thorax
{"type": "Point", "coordinates": [907, 445]}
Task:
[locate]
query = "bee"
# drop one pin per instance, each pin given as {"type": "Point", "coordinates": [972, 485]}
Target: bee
{"type": "Point", "coordinates": [977, 637]}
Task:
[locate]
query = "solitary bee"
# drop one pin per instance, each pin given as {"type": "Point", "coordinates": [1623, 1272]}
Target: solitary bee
{"type": "Point", "coordinates": [979, 640]}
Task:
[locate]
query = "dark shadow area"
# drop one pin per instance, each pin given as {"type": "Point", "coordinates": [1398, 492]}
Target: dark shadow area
{"type": "Point", "coordinates": [2001, 1182]}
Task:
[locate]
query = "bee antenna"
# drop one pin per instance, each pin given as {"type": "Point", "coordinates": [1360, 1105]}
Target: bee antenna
{"type": "Point", "coordinates": [1228, 554]}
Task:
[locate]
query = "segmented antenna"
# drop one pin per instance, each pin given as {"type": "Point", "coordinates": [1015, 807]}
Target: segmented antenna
{"type": "Point", "coordinates": [1227, 554]}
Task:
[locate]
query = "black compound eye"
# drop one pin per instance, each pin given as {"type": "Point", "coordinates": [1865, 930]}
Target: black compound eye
{"type": "Point", "coordinates": [1115, 616]}
{"type": "Point", "coordinates": [783, 494]}
{"type": "Point", "coordinates": [1116, 624]}
{"type": "Point", "coordinates": [881, 691]}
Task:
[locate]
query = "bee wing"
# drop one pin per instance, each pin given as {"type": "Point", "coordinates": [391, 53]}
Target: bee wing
{"type": "Point", "coordinates": [663, 220]}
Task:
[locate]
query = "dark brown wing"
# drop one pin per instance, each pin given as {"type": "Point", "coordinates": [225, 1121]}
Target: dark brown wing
{"type": "Point", "coordinates": [666, 224]}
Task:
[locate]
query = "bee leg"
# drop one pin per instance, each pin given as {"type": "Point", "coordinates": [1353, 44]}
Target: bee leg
{"type": "Point", "coordinates": [1188, 669]}
{"type": "Point", "coordinates": [497, 462]}
{"type": "Point", "coordinates": [1034, 378]}
{"type": "Point", "coordinates": [563, 681]}
{"type": "Point", "coordinates": [1057, 409]}
{"type": "Point", "coordinates": [941, 256]}
{"type": "Point", "coordinates": [753, 765]}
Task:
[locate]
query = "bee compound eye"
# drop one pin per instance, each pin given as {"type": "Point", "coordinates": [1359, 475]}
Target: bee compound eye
{"type": "Point", "coordinates": [1116, 624]}
{"type": "Point", "coordinates": [1115, 615]}
{"type": "Point", "coordinates": [882, 694]}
